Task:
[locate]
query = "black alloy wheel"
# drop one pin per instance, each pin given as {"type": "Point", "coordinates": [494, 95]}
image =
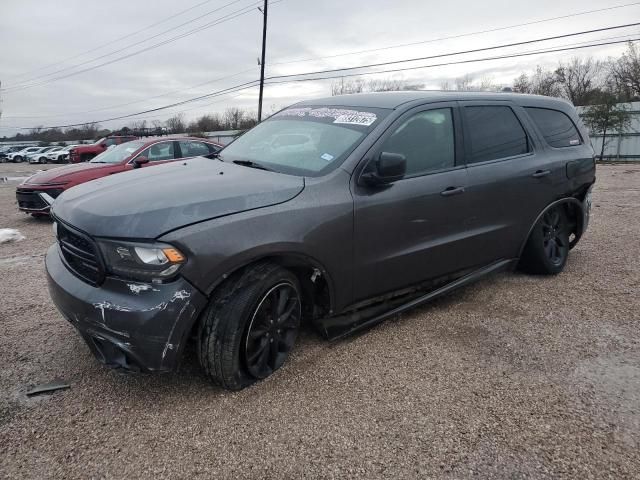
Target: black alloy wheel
{"type": "Point", "coordinates": [272, 331]}
{"type": "Point", "coordinates": [554, 237]}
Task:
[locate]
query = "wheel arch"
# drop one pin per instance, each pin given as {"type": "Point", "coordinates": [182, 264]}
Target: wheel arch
{"type": "Point", "coordinates": [575, 211]}
{"type": "Point", "coordinates": [317, 285]}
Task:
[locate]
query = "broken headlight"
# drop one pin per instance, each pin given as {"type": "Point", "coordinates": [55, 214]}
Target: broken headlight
{"type": "Point", "coordinates": [142, 261]}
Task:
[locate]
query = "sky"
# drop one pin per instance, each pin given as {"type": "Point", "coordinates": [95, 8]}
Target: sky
{"type": "Point", "coordinates": [45, 46]}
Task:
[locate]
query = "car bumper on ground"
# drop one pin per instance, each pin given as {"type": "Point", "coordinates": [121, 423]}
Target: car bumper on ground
{"type": "Point", "coordinates": [127, 325]}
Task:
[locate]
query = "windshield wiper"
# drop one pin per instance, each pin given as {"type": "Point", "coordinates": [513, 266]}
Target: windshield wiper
{"type": "Point", "coordinates": [252, 164]}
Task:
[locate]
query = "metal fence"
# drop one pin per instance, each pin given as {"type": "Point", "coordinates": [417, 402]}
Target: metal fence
{"type": "Point", "coordinates": [620, 146]}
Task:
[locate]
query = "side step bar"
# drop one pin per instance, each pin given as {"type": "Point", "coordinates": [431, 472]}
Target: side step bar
{"type": "Point", "coordinates": [341, 326]}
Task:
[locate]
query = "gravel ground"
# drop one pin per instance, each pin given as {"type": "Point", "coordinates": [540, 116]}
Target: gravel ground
{"type": "Point", "coordinates": [514, 377]}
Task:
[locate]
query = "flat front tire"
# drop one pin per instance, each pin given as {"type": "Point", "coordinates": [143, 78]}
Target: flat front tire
{"type": "Point", "coordinates": [547, 248]}
{"type": "Point", "coordinates": [250, 326]}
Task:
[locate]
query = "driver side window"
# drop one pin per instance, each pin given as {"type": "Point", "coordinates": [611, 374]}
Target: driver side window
{"type": "Point", "coordinates": [427, 141]}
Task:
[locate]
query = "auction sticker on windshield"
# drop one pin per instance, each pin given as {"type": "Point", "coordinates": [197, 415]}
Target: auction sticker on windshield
{"type": "Point", "coordinates": [342, 116]}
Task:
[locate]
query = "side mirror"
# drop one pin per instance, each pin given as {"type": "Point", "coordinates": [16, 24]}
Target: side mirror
{"type": "Point", "coordinates": [139, 161]}
{"type": "Point", "coordinates": [389, 167]}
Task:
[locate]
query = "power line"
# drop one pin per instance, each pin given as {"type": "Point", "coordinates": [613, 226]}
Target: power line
{"type": "Point", "coordinates": [475, 50]}
{"type": "Point", "coordinates": [462, 35]}
{"type": "Point", "coordinates": [223, 19]}
{"type": "Point", "coordinates": [458, 62]}
{"type": "Point", "coordinates": [81, 54]}
{"type": "Point", "coordinates": [280, 79]}
{"type": "Point", "coordinates": [340, 55]}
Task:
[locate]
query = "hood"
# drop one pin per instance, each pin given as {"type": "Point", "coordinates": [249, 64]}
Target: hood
{"type": "Point", "coordinates": [148, 202]}
{"type": "Point", "coordinates": [65, 174]}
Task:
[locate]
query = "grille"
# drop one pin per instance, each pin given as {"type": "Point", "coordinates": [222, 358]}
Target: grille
{"type": "Point", "coordinates": [81, 255]}
{"type": "Point", "coordinates": [30, 200]}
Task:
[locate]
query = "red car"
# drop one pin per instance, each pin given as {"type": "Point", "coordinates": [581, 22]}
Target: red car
{"type": "Point", "coordinates": [84, 153]}
{"type": "Point", "coordinates": [36, 194]}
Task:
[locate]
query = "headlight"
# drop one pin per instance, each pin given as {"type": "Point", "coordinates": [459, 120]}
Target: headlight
{"type": "Point", "coordinates": [142, 261]}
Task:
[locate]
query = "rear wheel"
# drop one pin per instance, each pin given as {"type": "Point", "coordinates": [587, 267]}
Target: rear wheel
{"type": "Point", "coordinates": [547, 249]}
{"type": "Point", "coordinates": [250, 326]}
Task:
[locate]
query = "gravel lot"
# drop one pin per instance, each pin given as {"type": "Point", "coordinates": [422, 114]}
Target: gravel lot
{"type": "Point", "coordinates": [514, 377]}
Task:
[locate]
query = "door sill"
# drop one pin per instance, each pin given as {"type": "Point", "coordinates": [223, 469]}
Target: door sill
{"type": "Point", "coordinates": [341, 326]}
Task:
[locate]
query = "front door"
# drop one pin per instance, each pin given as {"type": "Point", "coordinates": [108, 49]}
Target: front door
{"type": "Point", "coordinates": [415, 228]}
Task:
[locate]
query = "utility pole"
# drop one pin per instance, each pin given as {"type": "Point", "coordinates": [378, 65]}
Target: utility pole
{"type": "Point", "coordinates": [264, 51]}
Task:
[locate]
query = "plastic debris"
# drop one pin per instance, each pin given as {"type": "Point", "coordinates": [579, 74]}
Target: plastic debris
{"type": "Point", "coordinates": [48, 387]}
{"type": "Point", "coordinates": [10, 235]}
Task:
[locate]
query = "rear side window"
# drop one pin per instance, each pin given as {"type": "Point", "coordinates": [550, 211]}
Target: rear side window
{"type": "Point", "coordinates": [556, 127]}
{"type": "Point", "coordinates": [494, 132]}
{"type": "Point", "coordinates": [193, 149]}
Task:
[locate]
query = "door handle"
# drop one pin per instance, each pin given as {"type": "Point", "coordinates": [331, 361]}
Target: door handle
{"type": "Point", "coordinates": [541, 173]}
{"type": "Point", "coordinates": [447, 192]}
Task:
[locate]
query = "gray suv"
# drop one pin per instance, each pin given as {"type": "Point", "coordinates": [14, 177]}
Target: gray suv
{"type": "Point", "coordinates": [340, 212]}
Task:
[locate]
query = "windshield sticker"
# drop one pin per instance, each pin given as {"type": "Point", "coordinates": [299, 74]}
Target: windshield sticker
{"type": "Point", "coordinates": [365, 119]}
{"type": "Point", "coordinates": [339, 115]}
{"type": "Point", "coordinates": [326, 156]}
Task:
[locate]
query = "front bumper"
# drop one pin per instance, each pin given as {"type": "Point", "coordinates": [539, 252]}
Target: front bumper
{"type": "Point", "coordinates": [127, 325]}
{"type": "Point", "coordinates": [36, 200]}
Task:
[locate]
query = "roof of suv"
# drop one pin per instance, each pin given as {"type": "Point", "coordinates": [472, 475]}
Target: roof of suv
{"type": "Point", "coordinates": [395, 99]}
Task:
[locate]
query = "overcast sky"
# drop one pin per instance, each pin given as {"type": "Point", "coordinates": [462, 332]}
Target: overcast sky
{"type": "Point", "coordinates": [36, 34]}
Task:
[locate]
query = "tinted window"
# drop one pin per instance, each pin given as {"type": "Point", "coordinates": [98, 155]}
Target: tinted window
{"type": "Point", "coordinates": [494, 132]}
{"type": "Point", "coordinates": [193, 149]}
{"type": "Point", "coordinates": [159, 152]}
{"type": "Point", "coordinates": [110, 141]}
{"type": "Point", "coordinates": [426, 139]}
{"type": "Point", "coordinates": [556, 127]}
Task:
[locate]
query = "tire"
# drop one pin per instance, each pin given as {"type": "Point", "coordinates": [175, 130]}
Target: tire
{"type": "Point", "coordinates": [547, 248]}
{"type": "Point", "coordinates": [239, 340]}
{"type": "Point", "coordinates": [17, 159]}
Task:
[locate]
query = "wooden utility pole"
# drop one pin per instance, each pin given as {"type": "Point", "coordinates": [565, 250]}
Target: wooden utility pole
{"type": "Point", "coordinates": [264, 51]}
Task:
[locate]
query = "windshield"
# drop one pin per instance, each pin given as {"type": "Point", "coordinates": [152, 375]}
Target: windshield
{"type": "Point", "coordinates": [118, 153]}
{"type": "Point", "coordinates": [304, 141]}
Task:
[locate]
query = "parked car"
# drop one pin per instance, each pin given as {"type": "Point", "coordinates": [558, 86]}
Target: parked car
{"type": "Point", "coordinates": [406, 196]}
{"type": "Point", "coordinates": [39, 156]}
{"type": "Point", "coordinates": [18, 156]}
{"type": "Point", "coordinates": [59, 156]}
{"type": "Point", "coordinates": [84, 153]}
{"type": "Point", "coordinates": [37, 193]}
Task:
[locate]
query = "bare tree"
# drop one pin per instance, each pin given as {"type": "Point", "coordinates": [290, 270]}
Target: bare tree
{"type": "Point", "coordinates": [522, 84]}
{"type": "Point", "coordinates": [138, 125]}
{"type": "Point", "coordinates": [232, 118]}
{"type": "Point", "coordinates": [579, 79]}
{"type": "Point", "coordinates": [390, 85]}
{"type": "Point", "coordinates": [342, 86]}
{"type": "Point", "coordinates": [176, 124]}
{"type": "Point", "coordinates": [464, 84]}
{"type": "Point", "coordinates": [625, 72]}
{"type": "Point", "coordinates": [445, 86]}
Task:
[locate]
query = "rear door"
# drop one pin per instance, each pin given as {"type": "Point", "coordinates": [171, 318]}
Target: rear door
{"type": "Point", "coordinates": [510, 177]}
{"type": "Point", "coordinates": [414, 229]}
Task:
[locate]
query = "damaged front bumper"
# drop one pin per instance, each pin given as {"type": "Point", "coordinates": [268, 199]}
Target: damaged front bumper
{"type": "Point", "coordinates": [127, 325]}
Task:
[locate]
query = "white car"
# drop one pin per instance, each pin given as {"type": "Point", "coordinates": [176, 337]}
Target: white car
{"type": "Point", "coordinates": [39, 156]}
{"type": "Point", "coordinates": [21, 155]}
{"type": "Point", "coordinates": [59, 156]}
